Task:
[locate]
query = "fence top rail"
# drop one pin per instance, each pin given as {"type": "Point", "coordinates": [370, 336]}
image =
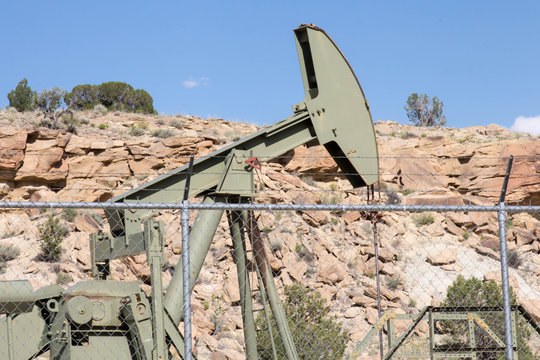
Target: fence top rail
{"type": "Point", "coordinates": [268, 207]}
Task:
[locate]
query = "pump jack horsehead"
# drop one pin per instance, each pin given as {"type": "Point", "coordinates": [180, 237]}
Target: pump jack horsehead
{"type": "Point", "coordinates": [108, 319]}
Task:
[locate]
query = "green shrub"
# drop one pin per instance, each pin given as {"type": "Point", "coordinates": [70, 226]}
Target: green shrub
{"type": "Point", "coordinates": [103, 126]}
{"type": "Point", "coordinates": [100, 109]}
{"type": "Point", "coordinates": [50, 103]}
{"type": "Point", "coordinates": [83, 97]}
{"type": "Point", "coordinates": [7, 253]}
{"type": "Point", "coordinates": [51, 235]}
{"type": "Point", "coordinates": [316, 334]}
{"type": "Point", "coordinates": [475, 293]}
{"type": "Point", "coordinates": [69, 214]}
{"type": "Point", "coordinates": [423, 111]}
{"type": "Point", "coordinates": [142, 124]}
{"type": "Point", "coordinates": [423, 219]}
{"type": "Point", "coordinates": [407, 192]}
{"type": "Point", "coordinates": [162, 133]}
{"type": "Point", "coordinates": [71, 122]}
{"type": "Point", "coordinates": [135, 131]}
{"type": "Point", "coordinates": [112, 94]}
{"type": "Point", "coordinates": [394, 282]}
{"type": "Point", "coordinates": [63, 278]}
{"type": "Point", "coordinates": [175, 123]}
{"type": "Point", "coordinates": [139, 101]}
{"type": "Point", "coordinates": [22, 97]}
{"type": "Point", "coordinates": [509, 223]}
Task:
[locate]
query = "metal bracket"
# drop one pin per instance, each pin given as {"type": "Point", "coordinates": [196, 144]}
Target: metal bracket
{"type": "Point", "coordinates": [237, 180]}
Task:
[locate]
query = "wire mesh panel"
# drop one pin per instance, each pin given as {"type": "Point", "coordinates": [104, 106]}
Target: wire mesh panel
{"type": "Point", "coordinates": [275, 281]}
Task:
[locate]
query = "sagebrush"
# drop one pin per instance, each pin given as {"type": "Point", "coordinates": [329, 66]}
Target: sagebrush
{"type": "Point", "coordinates": [51, 235]}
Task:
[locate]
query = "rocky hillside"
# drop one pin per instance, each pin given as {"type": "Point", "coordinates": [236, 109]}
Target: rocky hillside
{"type": "Point", "coordinates": [420, 254]}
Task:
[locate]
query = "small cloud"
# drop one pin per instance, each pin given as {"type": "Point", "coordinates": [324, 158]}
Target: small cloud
{"type": "Point", "coordinates": [191, 82]}
{"type": "Point", "coordinates": [527, 124]}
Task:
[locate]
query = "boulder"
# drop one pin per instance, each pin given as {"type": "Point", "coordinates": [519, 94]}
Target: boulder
{"type": "Point", "coordinates": [12, 145]}
{"type": "Point", "coordinates": [447, 256]}
{"type": "Point", "coordinates": [43, 164]}
{"type": "Point", "coordinates": [86, 223]}
{"type": "Point", "coordinates": [78, 145]}
{"type": "Point", "coordinates": [441, 197]}
{"type": "Point", "coordinates": [85, 190]}
{"type": "Point", "coordinates": [314, 161]}
{"type": "Point", "coordinates": [331, 271]}
{"type": "Point", "coordinates": [523, 237]}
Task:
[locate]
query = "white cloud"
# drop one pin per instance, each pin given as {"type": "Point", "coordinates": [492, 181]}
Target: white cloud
{"type": "Point", "coordinates": [527, 124]}
{"type": "Point", "coordinates": [191, 82]}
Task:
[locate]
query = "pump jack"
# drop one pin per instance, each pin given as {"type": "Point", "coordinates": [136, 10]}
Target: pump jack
{"type": "Point", "coordinates": [106, 319]}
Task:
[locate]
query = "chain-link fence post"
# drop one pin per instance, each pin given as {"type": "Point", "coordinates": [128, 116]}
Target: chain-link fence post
{"type": "Point", "coordinates": [186, 280]}
{"type": "Point", "coordinates": [505, 283]}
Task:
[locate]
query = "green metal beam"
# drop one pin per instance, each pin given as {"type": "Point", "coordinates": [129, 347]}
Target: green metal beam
{"type": "Point", "coordinates": [200, 238]}
{"type": "Point", "coordinates": [236, 224]}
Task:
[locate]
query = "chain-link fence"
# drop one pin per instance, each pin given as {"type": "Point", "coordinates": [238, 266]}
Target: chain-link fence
{"type": "Point", "coordinates": [270, 281]}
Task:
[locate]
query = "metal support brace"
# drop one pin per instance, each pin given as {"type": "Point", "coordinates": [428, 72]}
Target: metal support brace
{"type": "Point", "coordinates": [266, 312]}
{"type": "Point", "coordinates": [138, 317]}
{"type": "Point", "coordinates": [259, 255]}
{"type": "Point", "coordinates": [472, 337]}
{"type": "Point", "coordinates": [11, 344]}
{"type": "Point", "coordinates": [153, 233]}
{"type": "Point", "coordinates": [200, 238]}
{"type": "Point", "coordinates": [236, 225]}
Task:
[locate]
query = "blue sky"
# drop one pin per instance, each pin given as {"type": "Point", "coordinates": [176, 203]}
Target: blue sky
{"type": "Point", "coordinates": [237, 59]}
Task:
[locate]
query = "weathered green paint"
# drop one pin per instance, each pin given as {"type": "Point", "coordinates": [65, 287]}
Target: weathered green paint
{"type": "Point", "coordinates": [266, 310]}
{"type": "Point", "coordinates": [153, 237]}
{"type": "Point", "coordinates": [138, 319]}
{"type": "Point", "coordinates": [237, 179]}
{"type": "Point", "coordinates": [200, 238]}
{"type": "Point", "coordinates": [337, 106]}
{"type": "Point", "coordinates": [236, 225]}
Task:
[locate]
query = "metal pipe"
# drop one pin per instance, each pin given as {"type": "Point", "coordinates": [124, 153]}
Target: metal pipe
{"type": "Point", "coordinates": [186, 280]}
{"type": "Point", "coordinates": [266, 312]}
{"type": "Point", "coordinates": [236, 225]}
{"type": "Point", "coordinates": [259, 254]}
{"type": "Point", "coordinates": [153, 234]}
{"type": "Point", "coordinates": [200, 238]}
{"type": "Point", "coordinates": [186, 275]}
{"type": "Point", "coordinates": [504, 264]}
{"type": "Point", "coordinates": [505, 284]}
